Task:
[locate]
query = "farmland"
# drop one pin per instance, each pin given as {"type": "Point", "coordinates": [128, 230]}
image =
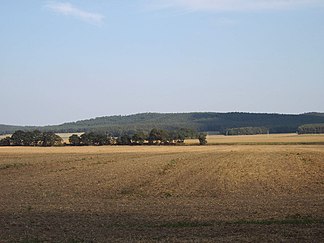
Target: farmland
{"type": "Point", "coordinates": [275, 139]}
{"type": "Point", "coordinates": [233, 192]}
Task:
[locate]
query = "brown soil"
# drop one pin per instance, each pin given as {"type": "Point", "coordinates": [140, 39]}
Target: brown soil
{"type": "Point", "coordinates": [211, 193]}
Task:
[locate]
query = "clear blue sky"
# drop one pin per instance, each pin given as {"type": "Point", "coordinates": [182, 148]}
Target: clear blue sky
{"type": "Point", "coordinates": [69, 60]}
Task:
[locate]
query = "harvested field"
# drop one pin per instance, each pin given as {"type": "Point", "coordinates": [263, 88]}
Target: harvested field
{"type": "Point", "coordinates": [271, 139]}
{"type": "Point", "coordinates": [160, 193]}
{"type": "Point", "coordinates": [65, 136]}
{"type": "Point", "coordinates": [4, 136]}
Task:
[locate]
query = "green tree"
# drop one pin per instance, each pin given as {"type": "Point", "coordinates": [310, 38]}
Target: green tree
{"type": "Point", "coordinates": [28, 139]}
{"type": "Point", "coordinates": [37, 137]}
{"type": "Point", "coordinates": [124, 139]}
{"type": "Point", "coordinates": [86, 139]}
{"type": "Point", "coordinates": [202, 138]}
{"type": "Point", "coordinates": [50, 139]}
{"type": "Point", "coordinates": [17, 138]}
{"type": "Point", "coordinates": [164, 137]}
{"type": "Point", "coordinates": [75, 140]}
{"type": "Point", "coordinates": [139, 138]}
{"type": "Point", "coordinates": [5, 141]}
{"type": "Point", "coordinates": [100, 139]}
{"type": "Point", "coordinates": [154, 136]}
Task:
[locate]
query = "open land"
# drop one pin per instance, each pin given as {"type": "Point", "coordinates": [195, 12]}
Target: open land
{"type": "Point", "coordinates": [231, 192]}
{"type": "Point", "coordinates": [275, 139]}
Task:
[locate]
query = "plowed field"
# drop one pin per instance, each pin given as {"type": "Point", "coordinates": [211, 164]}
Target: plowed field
{"type": "Point", "coordinates": [179, 193]}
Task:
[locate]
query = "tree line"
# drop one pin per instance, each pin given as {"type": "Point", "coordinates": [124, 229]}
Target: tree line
{"type": "Point", "coordinates": [311, 129]}
{"type": "Point", "coordinates": [33, 138]}
{"type": "Point", "coordinates": [154, 137]}
{"type": "Point", "coordinates": [247, 131]}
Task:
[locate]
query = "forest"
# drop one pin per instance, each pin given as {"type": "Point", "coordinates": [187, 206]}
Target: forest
{"type": "Point", "coordinates": [200, 121]}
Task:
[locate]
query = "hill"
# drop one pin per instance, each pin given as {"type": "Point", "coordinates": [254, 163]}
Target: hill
{"type": "Point", "coordinates": [8, 129]}
{"type": "Point", "coordinates": [202, 121]}
{"type": "Point", "coordinates": [314, 113]}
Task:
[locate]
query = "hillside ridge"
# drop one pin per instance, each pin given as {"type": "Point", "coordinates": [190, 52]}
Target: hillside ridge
{"type": "Point", "coordinates": [201, 121]}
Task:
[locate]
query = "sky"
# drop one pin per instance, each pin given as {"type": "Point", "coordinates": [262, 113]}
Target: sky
{"type": "Point", "coordinates": [64, 61]}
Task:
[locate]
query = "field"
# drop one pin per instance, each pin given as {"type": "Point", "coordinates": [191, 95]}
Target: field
{"type": "Point", "coordinates": [164, 193]}
{"type": "Point", "coordinates": [65, 136]}
{"type": "Point", "coordinates": [284, 139]}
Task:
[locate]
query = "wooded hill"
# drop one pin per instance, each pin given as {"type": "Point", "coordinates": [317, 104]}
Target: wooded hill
{"type": "Point", "coordinates": [200, 121]}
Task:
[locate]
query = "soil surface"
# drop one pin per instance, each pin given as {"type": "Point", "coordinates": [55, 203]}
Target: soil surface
{"type": "Point", "coordinates": [264, 193]}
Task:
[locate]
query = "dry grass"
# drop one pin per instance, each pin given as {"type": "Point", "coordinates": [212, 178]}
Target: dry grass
{"type": "Point", "coordinates": [4, 136]}
{"type": "Point", "coordinates": [182, 193]}
{"type": "Point", "coordinates": [65, 136]}
{"type": "Point", "coordinates": [290, 138]}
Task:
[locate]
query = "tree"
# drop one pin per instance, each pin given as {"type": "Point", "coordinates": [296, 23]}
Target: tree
{"type": "Point", "coordinates": [95, 139]}
{"type": "Point", "coordinates": [28, 139]}
{"type": "Point", "coordinates": [139, 138]}
{"type": "Point", "coordinates": [50, 139]}
{"type": "Point", "coordinates": [178, 136]}
{"type": "Point", "coordinates": [163, 136]}
{"type": "Point", "coordinates": [5, 141]}
{"type": "Point", "coordinates": [100, 139]}
{"type": "Point", "coordinates": [75, 140]}
{"type": "Point", "coordinates": [154, 136]}
{"type": "Point", "coordinates": [124, 139]}
{"type": "Point", "coordinates": [17, 139]}
{"type": "Point", "coordinates": [87, 138]}
{"type": "Point", "coordinates": [37, 137]}
{"type": "Point", "coordinates": [202, 138]}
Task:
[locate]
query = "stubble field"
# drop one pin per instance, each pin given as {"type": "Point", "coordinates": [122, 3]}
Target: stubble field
{"type": "Point", "coordinates": [265, 139]}
{"type": "Point", "coordinates": [162, 193]}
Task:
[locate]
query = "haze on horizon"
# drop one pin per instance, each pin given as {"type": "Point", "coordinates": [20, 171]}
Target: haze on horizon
{"type": "Point", "coordinates": [64, 61]}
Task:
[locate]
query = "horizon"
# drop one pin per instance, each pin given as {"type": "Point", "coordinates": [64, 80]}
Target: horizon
{"type": "Point", "coordinates": [73, 60]}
